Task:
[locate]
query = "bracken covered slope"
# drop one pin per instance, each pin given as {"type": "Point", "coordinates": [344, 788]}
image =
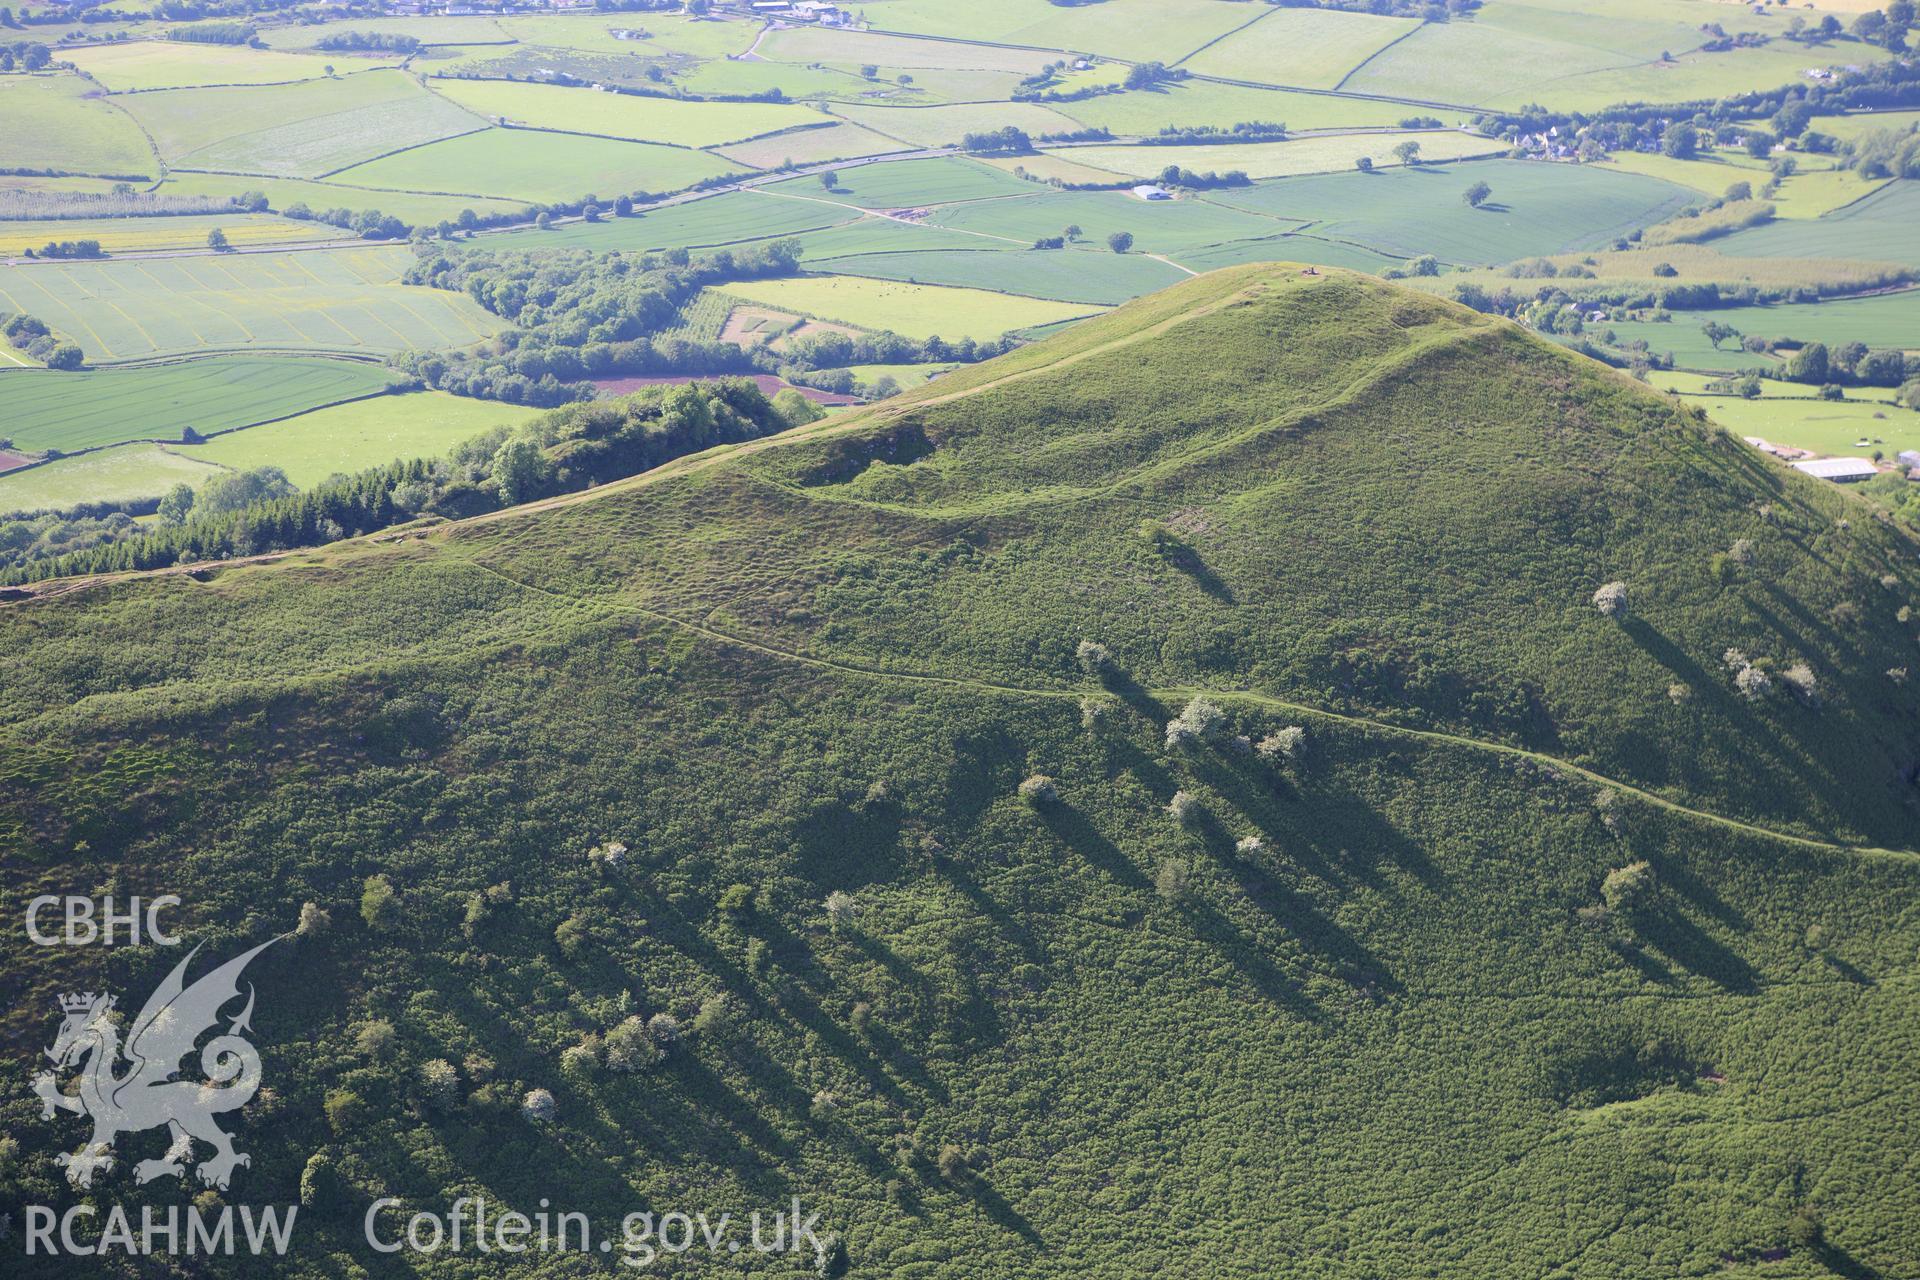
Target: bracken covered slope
{"type": "Point", "coordinates": [1358, 1015]}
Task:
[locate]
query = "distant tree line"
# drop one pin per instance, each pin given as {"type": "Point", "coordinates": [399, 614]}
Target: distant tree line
{"type": "Point", "coordinates": [24, 55]}
{"type": "Point", "coordinates": [1425, 10]}
{"type": "Point", "coordinates": [369, 42]}
{"type": "Point", "coordinates": [68, 249]}
{"type": "Point", "coordinates": [216, 33]}
{"type": "Point", "coordinates": [31, 335]}
{"type": "Point", "coordinates": [579, 314]}
{"type": "Point", "coordinates": [122, 202]}
{"type": "Point", "coordinates": [1007, 142]}
{"type": "Point", "coordinates": [1633, 126]}
{"type": "Point", "coordinates": [1200, 135]}
{"type": "Point", "coordinates": [252, 513]}
{"type": "Point", "coordinates": [164, 11]}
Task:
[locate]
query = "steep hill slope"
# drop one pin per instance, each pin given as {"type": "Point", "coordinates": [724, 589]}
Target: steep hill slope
{"type": "Point", "coordinates": [1358, 1014]}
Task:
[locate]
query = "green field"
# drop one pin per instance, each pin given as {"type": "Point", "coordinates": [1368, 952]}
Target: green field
{"type": "Point", "coordinates": [303, 130]}
{"type": "Point", "coordinates": [907, 376]}
{"type": "Point", "coordinates": [1688, 78]}
{"type": "Point", "coordinates": [1694, 385]}
{"type": "Point", "coordinates": [1137, 30]}
{"type": "Point", "coordinates": [1568, 63]}
{"type": "Point", "coordinates": [1852, 127]}
{"type": "Point", "coordinates": [1286, 247]}
{"type": "Point", "coordinates": [525, 164]}
{"type": "Point", "coordinates": [437, 30]}
{"type": "Point", "coordinates": [810, 146]}
{"type": "Point", "coordinates": [138, 235]}
{"type": "Point", "coordinates": [160, 64]}
{"type": "Point", "coordinates": [51, 124]}
{"type": "Point", "coordinates": [1815, 195]}
{"type": "Point", "coordinates": [1711, 173]}
{"type": "Point", "coordinates": [87, 408]}
{"type": "Point", "coordinates": [1334, 153]}
{"type": "Point", "coordinates": [1535, 208]}
{"type": "Point", "coordinates": [1158, 226]}
{"type": "Point", "coordinates": [283, 193]}
{"type": "Point", "coordinates": [1819, 425]}
{"type": "Point", "coordinates": [892, 54]}
{"type": "Point", "coordinates": [667, 33]}
{"type": "Point", "coordinates": [1311, 48]}
{"type": "Point", "coordinates": [1884, 227]}
{"type": "Point", "coordinates": [618, 115]}
{"type": "Point", "coordinates": [733, 78]}
{"type": "Point", "coordinates": [917, 311]}
{"type": "Point", "coordinates": [126, 474]}
{"type": "Point", "coordinates": [944, 126]}
{"type": "Point", "coordinates": [316, 300]}
{"type": "Point", "coordinates": [1046, 166]}
{"type": "Point", "coordinates": [1470, 63]}
{"type": "Point", "coordinates": [1068, 276]}
{"type": "Point", "coordinates": [349, 437]}
{"type": "Point", "coordinates": [1885, 320]}
{"type": "Point", "coordinates": [1693, 264]}
{"type": "Point", "coordinates": [881, 235]}
{"type": "Point", "coordinates": [728, 218]}
{"type": "Point", "coordinates": [1194, 103]}
{"type": "Point", "coordinates": [906, 184]}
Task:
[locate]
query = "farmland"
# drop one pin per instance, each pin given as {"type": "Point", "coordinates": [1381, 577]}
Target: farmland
{"type": "Point", "coordinates": [343, 300]}
{"type": "Point", "coordinates": [918, 311]}
{"type": "Point", "coordinates": [813, 44]}
{"type": "Point", "coordinates": [83, 410]}
{"type": "Point", "coordinates": [349, 437]}
{"type": "Point", "coordinates": [1189, 103]}
{"type": "Point", "coordinates": [1160, 226]}
{"type": "Point", "coordinates": [284, 193]}
{"type": "Point", "coordinates": [524, 164]}
{"type": "Point", "coordinates": [725, 219]}
{"type": "Point", "coordinates": [1310, 48]}
{"type": "Point", "coordinates": [1418, 209]}
{"type": "Point", "coordinates": [945, 126]}
{"type": "Point", "coordinates": [125, 474]}
{"type": "Point", "coordinates": [1886, 320]}
{"type": "Point", "coordinates": [298, 131]}
{"type": "Point", "coordinates": [1820, 425]}
{"type": "Point", "coordinates": [52, 125]}
{"type": "Point", "coordinates": [1065, 276]}
{"type": "Point", "coordinates": [1331, 154]}
{"type": "Point", "coordinates": [908, 183]}
{"type": "Point", "coordinates": [686, 124]}
{"type": "Point", "coordinates": [163, 65]}
{"type": "Point", "coordinates": [136, 235]}
{"type": "Point", "coordinates": [1880, 227]}
{"type": "Point", "coordinates": [1132, 29]}
{"type": "Point", "coordinates": [810, 145]}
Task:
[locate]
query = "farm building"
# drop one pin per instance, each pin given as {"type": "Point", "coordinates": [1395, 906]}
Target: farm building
{"type": "Point", "coordinates": [1150, 191]}
{"type": "Point", "coordinates": [1838, 470]}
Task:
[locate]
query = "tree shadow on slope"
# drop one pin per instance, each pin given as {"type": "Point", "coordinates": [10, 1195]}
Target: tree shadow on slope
{"type": "Point", "coordinates": [1774, 771]}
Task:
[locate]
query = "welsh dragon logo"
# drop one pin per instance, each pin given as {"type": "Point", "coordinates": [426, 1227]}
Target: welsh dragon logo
{"type": "Point", "coordinates": [146, 1095]}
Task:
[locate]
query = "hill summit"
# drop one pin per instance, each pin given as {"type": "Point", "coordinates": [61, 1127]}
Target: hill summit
{"type": "Point", "coordinates": [1291, 777]}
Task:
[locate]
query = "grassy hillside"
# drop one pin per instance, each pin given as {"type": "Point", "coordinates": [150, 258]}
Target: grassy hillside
{"type": "Point", "coordinates": [1356, 1014]}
